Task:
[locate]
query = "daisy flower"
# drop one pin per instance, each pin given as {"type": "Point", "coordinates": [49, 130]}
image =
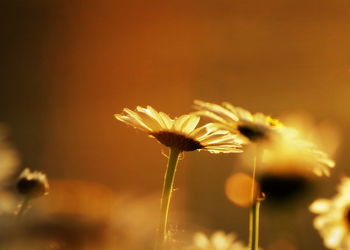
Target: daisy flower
{"type": "Point", "coordinates": [291, 153]}
{"type": "Point", "coordinates": [217, 241]}
{"type": "Point", "coordinates": [284, 142]}
{"type": "Point", "coordinates": [333, 220]}
{"type": "Point", "coordinates": [250, 127]}
{"type": "Point", "coordinates": [288, 171]}
{"type": "Point", "coordinates": [179, 134]}
{"type": "Point", "coordinates": [267, 132]}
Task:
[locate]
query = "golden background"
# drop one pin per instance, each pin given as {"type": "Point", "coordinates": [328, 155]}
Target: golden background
{"type": "Point", "coordinates": [68, 66]}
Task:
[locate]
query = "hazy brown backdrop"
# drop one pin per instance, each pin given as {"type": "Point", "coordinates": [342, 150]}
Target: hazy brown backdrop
{"type": "Point", "coordinates": [68, 66]}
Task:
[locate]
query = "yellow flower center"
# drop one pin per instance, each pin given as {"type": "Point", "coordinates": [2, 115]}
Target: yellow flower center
{"type": "Point", "coordinates": [175, 140]}
{"type": "Point", "coordinates": [274, 122]}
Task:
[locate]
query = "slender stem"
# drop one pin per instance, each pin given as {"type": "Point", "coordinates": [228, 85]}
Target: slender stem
{"type": "Point", "coordinates": [255, 207]}
{"type": "Point", "coordinates": [253, 194]}
{"type": "Point", "coordinates": [166, 196]}
{"type": "Point", "coordinates": [254, 226]}
{"type": "Point", "coordinates": [23, 206]}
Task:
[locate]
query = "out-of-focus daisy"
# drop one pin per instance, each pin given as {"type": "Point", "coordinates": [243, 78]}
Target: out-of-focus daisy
{"type": "Point", "coordinates": [277, 140]}
{"type": "Point", "coordinates": [333, 220]}
{"type": "Point", "coordinates": [251, 127]}
{"type": "Point", "coordinates": [217, 241]}
{"type": "Point", "coordinates": [284, 143]}
{"type": "Point", "coordinates": [180, 132]}
{"type": "Point", "coordinates": [325, 134]}
{"type": "Point", "coordinates": [303, 155]}
{"type": "Point", "coordinates": [292, 162]}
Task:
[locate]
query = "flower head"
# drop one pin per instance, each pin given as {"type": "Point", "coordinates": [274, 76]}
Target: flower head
{"type": "Point", "coordinates": [32, 184]}
{"type": "Point", "coordinates": [283, 143]}
{"type": "Point", "coordinates": [251, 127]}
{"type": "Point", "coordinates": [180, 132]}
{"type": "Point", "coordinates": [217, 241]}
{"type": "Point", "coordinates": [292, 154]}
{"type": "Point", "coordinates": [333, 220]}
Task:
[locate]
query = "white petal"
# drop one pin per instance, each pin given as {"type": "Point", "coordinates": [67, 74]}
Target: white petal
{"type": "Point", "coordinates": [201, 241]}
{"type": "Point", "coordinates": [220, 240]}
{"type": "Point", "coordinates": [211, 138]}
{"type": "Point", "coordinates": [166, 119]}
{"type": "Point", "coordinates": [189, 125]}
{"type": "Point", "coordinates": [199, 132]}
{"type": "Point", "coordinates": [216, 109]}
{"type": "Point", "coordinates": [179, 122]}
{"type": "Point", "coordinates": [132, 122]}
{"type": "Point", "coordinates": [156, 116]}
{"type": "Point", "coordinates": [320, 206]}
{"type": "Point", "coordinates": [260, 118]}
{"type": "Point", "coordinates": [244, 114]}
{"type": "Point", "coordinates": [149, 120]}
{"type": "Point", "coordinates": [334, 237]}
{"type": "Point", "coordinates": [134, 118]}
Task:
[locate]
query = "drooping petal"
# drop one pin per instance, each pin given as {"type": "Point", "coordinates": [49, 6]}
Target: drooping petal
{"type": "Point", "coordinates": [320, 206]}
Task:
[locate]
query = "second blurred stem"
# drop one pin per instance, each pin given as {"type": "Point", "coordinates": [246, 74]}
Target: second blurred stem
{"type": "Point", "coordinates": [255, 201]}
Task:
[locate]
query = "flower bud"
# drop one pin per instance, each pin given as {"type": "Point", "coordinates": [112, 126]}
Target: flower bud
{"type": "Point", "coordinates": [32, 184]}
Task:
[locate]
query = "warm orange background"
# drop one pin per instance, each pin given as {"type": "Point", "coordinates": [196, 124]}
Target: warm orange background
{"type": "Point", "coordinates": [68, 66]}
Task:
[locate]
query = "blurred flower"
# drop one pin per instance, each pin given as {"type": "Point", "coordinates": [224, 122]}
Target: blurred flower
{"type": "Point", "coordinates": [291, 163]}
{"type": "Point", "coordinates": [218, 241]}
{"type": "Point", "coordinates": [71, 217]}
{"type": "Point", "coordinates": [56, 232]}
{"type": "Point", "coordinates": [288, 143]}
{"type": "Point", "coordinates": [333, 221]}
{"type": "Point", "coordinates": [251, 127]}
{"type": "Point", "coordinates": [292, 153]}
{"type": "Point", "coordinates": [180, 133]}
{"type": "Point", "coordinates": [32, 184]}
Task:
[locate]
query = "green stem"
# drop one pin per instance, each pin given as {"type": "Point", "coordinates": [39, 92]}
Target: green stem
{"type": "Point", "coordinates": [166, 196]}
{"type": "Point", "coordinates": [255, 207]}
{"type": "Point", "coordinates": [254, 226]}
{"type": "Point", "coordinates": [23, 206]}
